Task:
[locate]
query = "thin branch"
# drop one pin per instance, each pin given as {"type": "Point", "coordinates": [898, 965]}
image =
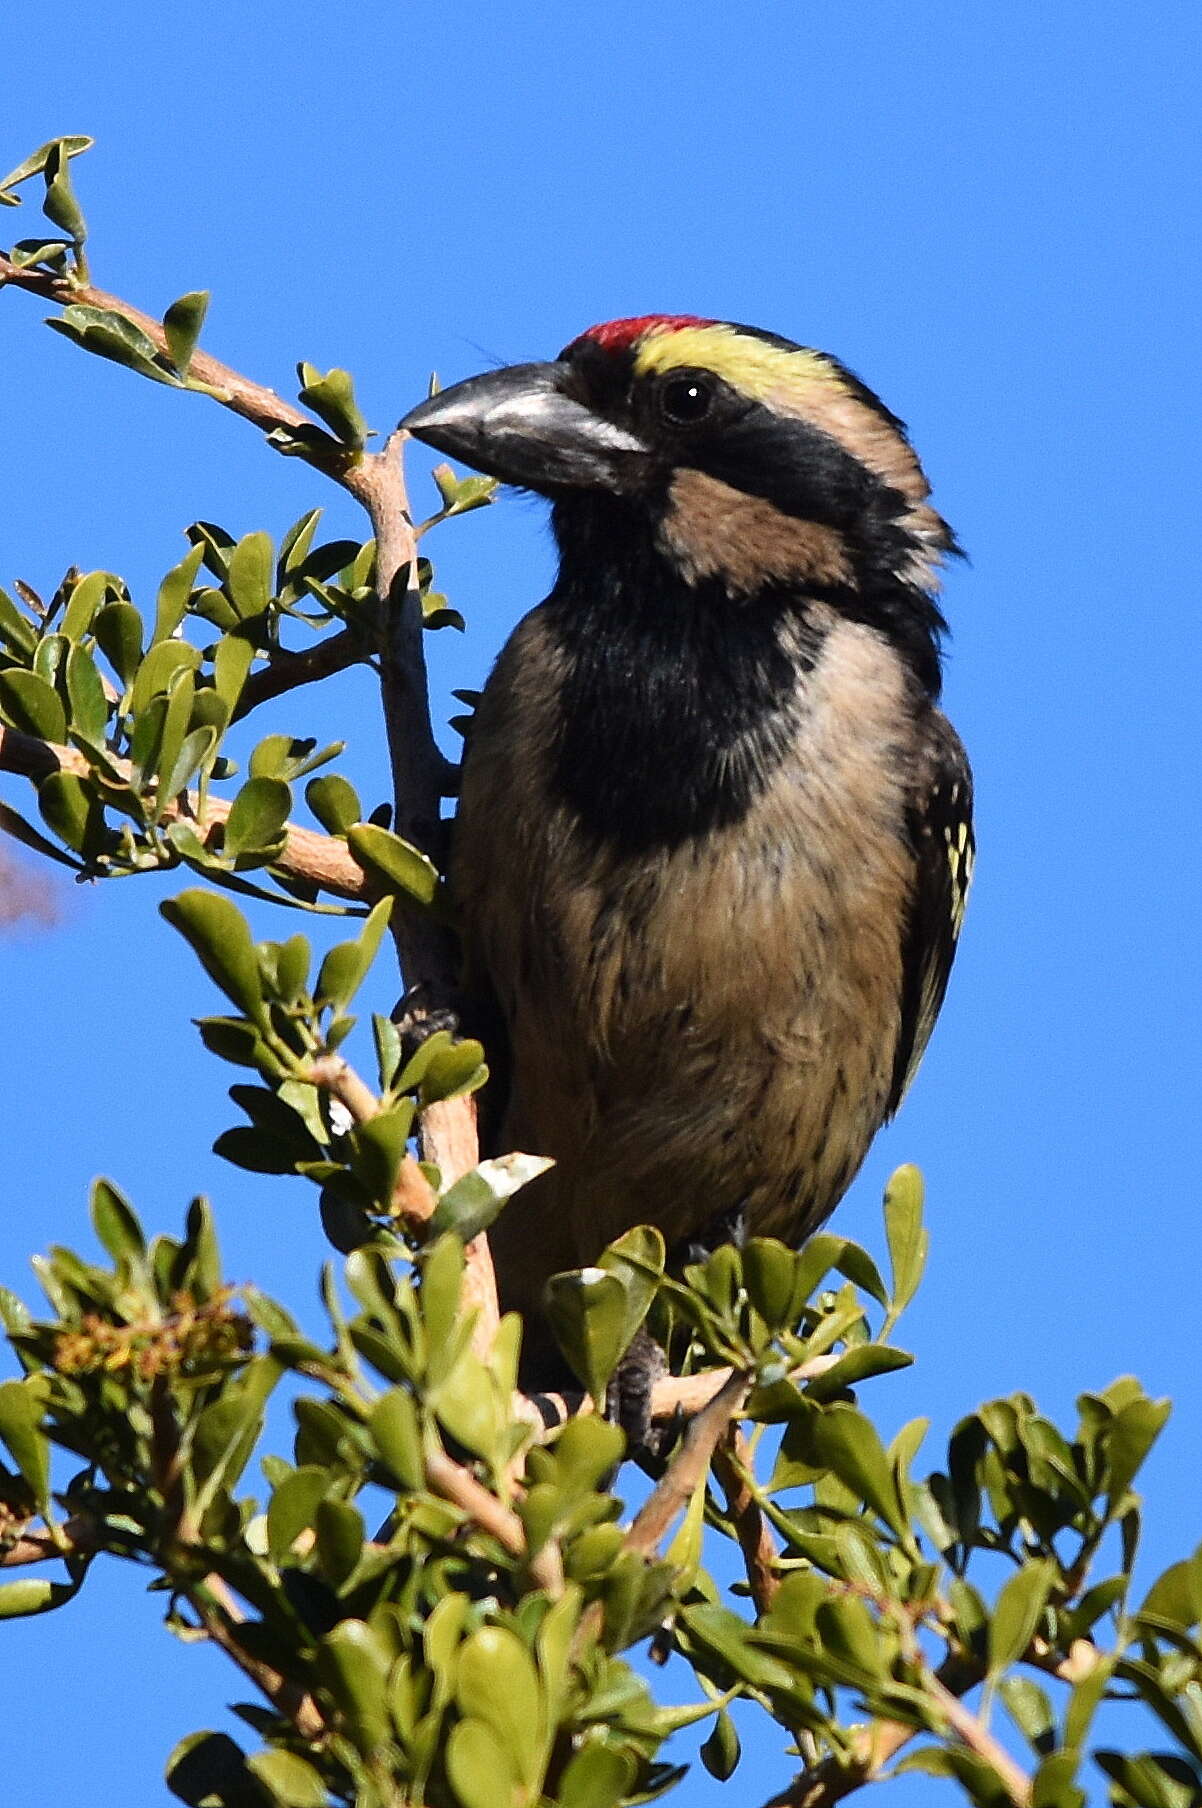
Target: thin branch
{"type": "Point", "coordinates": [877, 1744]}
{"type": "Point", "coordinates": [255, 403]}
{"type": "Point", "coordinates": [732, 1462]}
{"type": "Point", "coordinates": [413, 1198]}
{"type": "Point", "coordinates": [427, 951]}
{"type": "Point", "coordinates": [455, 1484]}
{"type": "Point", "coordinates": [977, 1737]}
{"type": "Point", "coordinates": [321, 860]}
{"type": "Point", "coordinates": [688, 1468]}
{"type": "Point", "coordinates": [675, 1396]}
{"type": "Point", "coordinates": [289, 671]}
{"type": "Point", "coordinates": [220, 1615]}
{"type": "Point", "coordinates": [377, 481]}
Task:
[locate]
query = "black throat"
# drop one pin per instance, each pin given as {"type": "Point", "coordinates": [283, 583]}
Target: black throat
{"type": "Point", "coordinates": [679, 703]}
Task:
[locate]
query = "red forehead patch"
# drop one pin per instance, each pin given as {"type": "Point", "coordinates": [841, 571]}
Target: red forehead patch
{"type": "Point", "coordinates": [620, 335]}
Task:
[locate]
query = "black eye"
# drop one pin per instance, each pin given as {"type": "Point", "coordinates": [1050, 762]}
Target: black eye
{"type": "Point", "coordinates": [686, 400]}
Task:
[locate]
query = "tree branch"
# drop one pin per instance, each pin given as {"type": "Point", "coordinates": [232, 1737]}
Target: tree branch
{"type": "Point", "coordinates": [688, 1468]}
{"type": "Point", "coordinates": [286, 671]}
{"type": "Point", "coordinates": [220, 1615]}
{"type": "Point", "coordinates": [321, 860]}
{"type": "Point", "coordinates": [413, 1198]}
{"type": "Point", "coordinates": [261, 406]}
{"type": "Point", "coordinates": [455, 1484]}
{"type": "Point", "coordinates": [732, 1461]}
{"type": "Point", "coordinates": [426, 949]}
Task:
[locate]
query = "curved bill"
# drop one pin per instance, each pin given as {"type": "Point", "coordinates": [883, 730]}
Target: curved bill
{"type": "Point", "coordinates": [518, 425]}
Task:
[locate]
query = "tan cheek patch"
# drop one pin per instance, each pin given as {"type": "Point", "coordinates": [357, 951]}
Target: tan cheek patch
{"type": "Point", "coordinates": [712, 530]}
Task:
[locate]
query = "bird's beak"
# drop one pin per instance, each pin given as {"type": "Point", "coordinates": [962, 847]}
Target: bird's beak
{"type": "Point", "coordinates": [520, 426]}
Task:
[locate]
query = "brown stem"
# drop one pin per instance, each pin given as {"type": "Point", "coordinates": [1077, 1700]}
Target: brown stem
{"type": "Point", "coordinates": [977, 1737]}
{"type": "Point", "coordinates": [377, 481]}
{"type": "Point", "coordinates": [321, 860]}
{"type": "Point", "coordinates": [732, 1463]}
{"type": "Point", "coordinates": [456, 1484]}
{"type": "Point", "coordinates": [683, 1395]}
{"type": "Point", "coordinates": [428, 956]}
{"type": "Point", "coordinates": [288, 671]}
{"type": "Point", "coordinates": [220, 1614]}
{"type": "Point", "coordinates": [687, 1470]}
{"type": "Point", "coordinates": [251, 400]}
{"type": "Point", "coordinates": [413, 1197]}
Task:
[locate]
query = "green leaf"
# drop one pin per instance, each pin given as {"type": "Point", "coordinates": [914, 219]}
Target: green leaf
{"type": "Point", "coordinates": [396, 1433]}
{"type": "Point", "coordinates": [720, 1752]}
{"type": "Point", "coordinates": [89, 708]}
{"type": "Point", "coordinates": [481, 1769]}
{"type": "Point", "coordinates": [1151, 1779]}
{"type": "Point", "coordinates": [1017, 1612]}
{"type": "Point", "coordinates": [587, 1312]}
{"type": "Point", "coordinates": [356, 1665]}
{"type": "Point", "coordinates": [231, 666]}
{"type": "Point", "coordinates": [477, 1198]}
{"type": "Point", "coordinates": [1030, 1710]}
{"type": "Point", "coordinates": [157, 672]}
{"type": "Point", "coordinates": [378, 1148]}
{"type": "Point", "coordinates": [908, 1240]}
{"type": "Point", "coordinates": [87, 595]}
{"type": "Point", "coordinates": [70, 809]}
{"type": "Point", "coordinates": [340, 1535]}
{"type": "Point", "coordinates": [18, 1600]}
{"type": "Point", "coordinates": [1133, 1431]}
{"type": "Point", "coordinates": [251, 569]}
{"type": "Point", "coordinates": [255, 824]}
{"type": "Point", "coordinates": [452, 1068]}
{"type": "Point", "coordinates": [176, 588]}
{"type": "Point", "coordinates": [346, 965]}
{"type": "Point", "coordinates": [288, 1779]}
{"type": "Point", "coordinates": [770, 1275]}
{"type": "Point", "coordinates": [30, 704]}
{"type": "Point", "coordinates": [193, 752]}
{"type": "Point", "coordinates": [18, 634]}
{"type": "Point", "coordinates": [118, 630]}
{"type": "Point", "coordinates": [208, 1770]}
{"type": "Point", "coordinates": [58, 149]}
{"type": "Point", "coordinates": [861, 1270]}
{"type": "Point", "coordinates": [111, 335]}
{"type": "Point", "coordinates": [1176, 1594]}
{"type": "Point", "coordinates": [860, 1363]}
{"type": "Point", "coordinates": [182, 324]}
{"type": "Point", "coordinates": [496, 1683]}
{"type": "Point", "coordinates": [332, 399]}
{"type": "Point", "coordinates": [116, 1224]}
{"type": "Point", "coordinates": [218, 933]}
{"type": "Point", "coordinates": [21, 1405]}
{"type": "Point", "coordinates": [842, 1440]}
{"type": "Point", "coordinates": [602, 1776]}
{"type": "Point", "coordinates": [400, 865]}
{"type": "Point", "coordinates": [59, 204]}
{"type": "Point", "coordinates": [14, 824]}
{"type": "Point", "coordinates": [334, 802]}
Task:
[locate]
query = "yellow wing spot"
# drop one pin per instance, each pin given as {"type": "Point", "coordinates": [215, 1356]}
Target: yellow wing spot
{"type": "Point", "coordinates": [753, 366]}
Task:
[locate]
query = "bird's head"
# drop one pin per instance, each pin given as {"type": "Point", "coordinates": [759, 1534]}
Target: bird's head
{"type": "Point", "coordinates": [757, 461]}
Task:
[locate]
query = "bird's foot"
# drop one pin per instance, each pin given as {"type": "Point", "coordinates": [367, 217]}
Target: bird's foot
{"type": "Point", "coordinates": [417, 1019]}
{"type": "Point", "coordinates": [628, 1400]}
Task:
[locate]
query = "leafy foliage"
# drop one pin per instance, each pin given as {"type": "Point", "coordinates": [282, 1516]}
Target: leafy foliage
{"type": "Point", "coordinates": [436, 1596]}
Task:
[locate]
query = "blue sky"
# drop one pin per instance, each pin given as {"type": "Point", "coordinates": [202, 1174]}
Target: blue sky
{"type": "Point", "coordinates": [991, 214]}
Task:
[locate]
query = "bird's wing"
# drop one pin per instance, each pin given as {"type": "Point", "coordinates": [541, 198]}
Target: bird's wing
{"type": "Point", "coordinates": [940, 828]}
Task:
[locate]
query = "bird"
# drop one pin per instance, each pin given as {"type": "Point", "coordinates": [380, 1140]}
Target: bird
{"type": "Point", "coordinates": [714, 834]}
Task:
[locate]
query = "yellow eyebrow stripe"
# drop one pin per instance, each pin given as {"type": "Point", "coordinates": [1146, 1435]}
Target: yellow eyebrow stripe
{"type": "Point", "coordinates": [754, 366]}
